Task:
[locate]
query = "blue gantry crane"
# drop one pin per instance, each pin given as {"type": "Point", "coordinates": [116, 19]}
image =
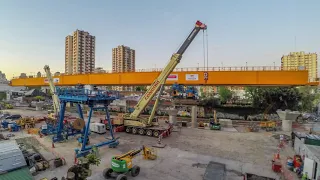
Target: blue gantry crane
{"type": "Point", "coordinates": [177, 90]}
{"type": "Point", "coordinates": [95, 99]}
{"type": "Point", "coordinates": [191, 92]}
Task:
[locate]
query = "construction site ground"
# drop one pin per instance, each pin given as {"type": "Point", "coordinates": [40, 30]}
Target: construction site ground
{"type": "Point", "coordinates": [186, 155]}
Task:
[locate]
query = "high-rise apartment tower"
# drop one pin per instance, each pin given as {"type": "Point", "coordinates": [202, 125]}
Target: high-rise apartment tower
{"type": "Point", "coordinates": [123, 60]}
{"type": "Point", "coordinates": [79, 53]}
{"type": "Point", "coordinates": [301, 60]}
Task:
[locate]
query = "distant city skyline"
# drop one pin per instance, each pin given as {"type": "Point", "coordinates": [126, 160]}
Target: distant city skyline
{"type": "Point", "coordinates": [256, 33]}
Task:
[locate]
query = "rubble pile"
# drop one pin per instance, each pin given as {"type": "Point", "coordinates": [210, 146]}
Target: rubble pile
{"type": "Point", "coordinates": [229, 116]}
{"type": "Point", "coordinates": [259, 117]}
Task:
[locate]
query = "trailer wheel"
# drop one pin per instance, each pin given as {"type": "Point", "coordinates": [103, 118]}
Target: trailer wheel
{"type": "Point", "coordinates": [122, 177]}
{"type": "Point", "coordinates": [107, 173]}
{"type": "Point", "coordinates": [128, 130]}
{"type": "Point", "coordinates": [134, 130]}
{"type": "Point", "coordinates": [141, 131]}
{"type": "Point", "coordinates": [135, 171]}
{"type": "Point", "coordinates": [149, 132]}
{"type": "Point", "coordinates": [156, 133]}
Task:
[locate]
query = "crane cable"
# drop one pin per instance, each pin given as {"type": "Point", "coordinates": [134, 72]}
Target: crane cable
{"type": "Point", "coordinates": [204, 51]}
{"type": "Point", "coordinates": [207, 50]}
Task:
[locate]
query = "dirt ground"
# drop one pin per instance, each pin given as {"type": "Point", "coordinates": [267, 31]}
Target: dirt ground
{"type": "Point", "coordinates": [185, 156]}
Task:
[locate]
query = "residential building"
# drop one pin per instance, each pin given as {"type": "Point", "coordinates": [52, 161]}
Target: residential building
{"type": "Point", "coordinates": [79, 53]}
{"type": "Point", "coordinates": [123, 60]}
{"type": "Point", "coordinates": [301, 60]}
{"type": "Point", "coordinates": [69, 55]}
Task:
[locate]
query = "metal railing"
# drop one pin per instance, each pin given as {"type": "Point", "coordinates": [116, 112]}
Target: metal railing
{"type": "Point", "coordinates": [238, 68]}
{"type": "Point", "coordinates": [81, 92]}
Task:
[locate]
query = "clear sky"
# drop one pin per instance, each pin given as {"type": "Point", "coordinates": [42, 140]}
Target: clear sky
{"type": "Point", "coordinates": [258, 32]}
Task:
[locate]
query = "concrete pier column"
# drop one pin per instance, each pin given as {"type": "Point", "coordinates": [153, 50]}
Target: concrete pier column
{"type": "Point", "coordinates": [9, 95]}
{"type": "Point", "coordinates": [39, 106]}
{"type": "Point", "coordinates": [287, 117]}
{"type": "Point", "coordinates": [172, 116]}
{"type": "Point", "coordinates": [194, 112]}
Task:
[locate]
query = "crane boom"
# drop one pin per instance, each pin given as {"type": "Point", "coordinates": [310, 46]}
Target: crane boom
{"type": "Point", "coordinates": [155, 106]}
{"type": "Point", "coordinates": [56, 103]}
{"type": "Point", "coordinates": [175, 59]}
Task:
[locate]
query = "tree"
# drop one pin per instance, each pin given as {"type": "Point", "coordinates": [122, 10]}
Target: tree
{"type": "Point", "coordinates": [141, 88]}
{"type": "Point", "coordinates": [3, 95]}
{"type": "Point", "coordinates": [310, 98]}
{"type": "Point", "coordinates": [39, 98]}
{"type": "Point", "coordinates": [225, 94]}
{"type": "Point", "coordinates": [274, 97]}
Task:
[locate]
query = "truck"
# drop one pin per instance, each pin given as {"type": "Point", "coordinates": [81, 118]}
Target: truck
{"type": "Point", "coordinates": [135, 124]}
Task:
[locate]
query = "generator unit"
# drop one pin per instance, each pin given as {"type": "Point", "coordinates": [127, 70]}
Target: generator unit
{"type": "Point", "coordinates": [98, 128]}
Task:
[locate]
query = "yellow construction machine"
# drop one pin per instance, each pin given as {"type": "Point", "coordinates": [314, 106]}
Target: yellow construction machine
{"type": "Point", "coordinates": [52, 114]}
{"type": "Point", "coordinates": [122, 164]}
{"type": "Point", "coordinates": [27, 122]}
{"type": "Point", "coordinates": [150, 126]}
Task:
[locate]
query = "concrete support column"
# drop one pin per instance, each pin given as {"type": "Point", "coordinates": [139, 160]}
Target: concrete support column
{"type": "Point", "coordinates": [172, 116]}
{"type": "Point", "coordinates": [287, 125]}
{"type": "Point", "coordinates": [39, 106]}
{"type": "Point", "coordinates": [9, 95]}
{"type": "Point", "coordinates": [194, 112]}
{"type": "Point", "coordinates": [287, 117]}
